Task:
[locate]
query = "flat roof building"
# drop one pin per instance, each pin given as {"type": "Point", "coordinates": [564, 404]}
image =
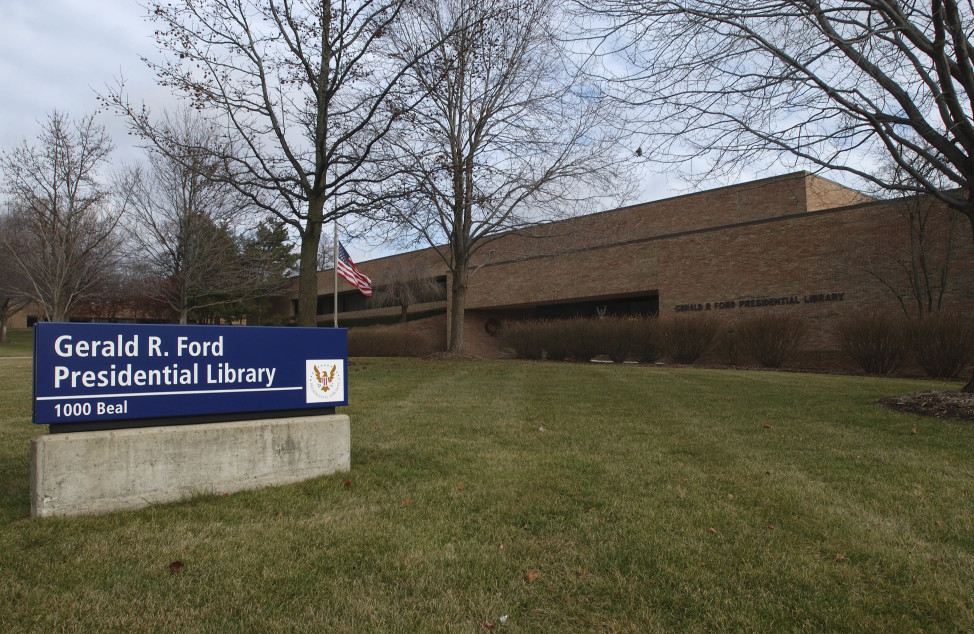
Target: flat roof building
{"type": "Point", "coordinates": [797, 243]}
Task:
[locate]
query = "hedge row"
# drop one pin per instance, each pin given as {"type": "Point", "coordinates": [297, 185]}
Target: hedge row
{"type": "Point", "coordinates": [771, 339]}
{"type": "Point", "coordinates": [942, 345]}
{"type": "Point", "coordinates": [645, 340]}
{"type": "Point", "coordinates": [370, 342]}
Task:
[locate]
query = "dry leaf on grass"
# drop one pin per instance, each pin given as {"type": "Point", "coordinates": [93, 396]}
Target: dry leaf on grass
{"type": "Point", "coordinates": [531, 576]}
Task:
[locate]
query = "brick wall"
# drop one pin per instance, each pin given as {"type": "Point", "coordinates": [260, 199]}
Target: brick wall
{"type": "Point", "coordinates": [429, 331]}
{"type": "Point", "coordinates": [790, 243]}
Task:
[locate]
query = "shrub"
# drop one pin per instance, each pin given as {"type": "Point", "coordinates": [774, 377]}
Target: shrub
{"type": "Point", "coordinates": [524, 337]}
{"type": "Point", "coordinates": [876, 342]}
{"type": "Point", "coordinates": [647, 340]}
{"type": "Point", "coordinates": [583, 338]}
{"type": "Point", "coordinates": [615, 337]}
{"type": "Point", "coordinates": [554, 339]}
{"type": "Point", "coordinates": [578, 338]}
{"type": "Point", "coordinates": [727, 345]}
{"type": "Point", "coordinates": [687, 338]}
{"type": "Point", "coordinates": [367, 342]}
{"type": "Point", "coordinates": [942, 343]}
{"type": "Point", "coordinates": [771, 337]}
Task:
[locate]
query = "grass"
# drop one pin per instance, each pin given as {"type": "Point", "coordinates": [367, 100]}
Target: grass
{"type": "Point", "coordinates": [646, 498]}
{"type": "Point", "coordinates": [20, 343]}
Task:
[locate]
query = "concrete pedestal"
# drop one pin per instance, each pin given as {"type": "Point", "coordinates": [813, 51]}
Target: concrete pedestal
{"type": "Point", "coordinates": [89, 473]}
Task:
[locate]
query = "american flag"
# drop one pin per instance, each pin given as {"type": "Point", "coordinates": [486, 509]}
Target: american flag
{"type": "Point", "coordinates": [347, 269]}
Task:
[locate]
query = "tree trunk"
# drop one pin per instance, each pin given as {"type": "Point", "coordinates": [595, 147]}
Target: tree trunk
{"type": "Point", "coordinates": [458, 303]}
{"type": "Point", "coordinates": [3, 320]}
{"type": "Point", "coordinates": [969, 388]}
{"type": "Point", "coordinates": [307, 314]}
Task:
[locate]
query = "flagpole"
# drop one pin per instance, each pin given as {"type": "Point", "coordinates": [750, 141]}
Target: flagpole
{"type": "Point", "coordinates": [335, 269]}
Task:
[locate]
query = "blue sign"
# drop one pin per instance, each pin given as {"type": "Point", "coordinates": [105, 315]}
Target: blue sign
{"type": "Point", "coordinates": [116, 372]}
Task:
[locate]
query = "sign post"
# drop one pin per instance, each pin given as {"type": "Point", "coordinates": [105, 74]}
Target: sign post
{"type": "Point", "coordinates": [118, 374]}
{"type": "Point", "coordinates": [217, 397]}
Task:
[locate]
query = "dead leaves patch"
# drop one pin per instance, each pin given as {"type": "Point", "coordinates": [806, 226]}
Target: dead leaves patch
{"type": "Point", "coordinates": [959, 405]}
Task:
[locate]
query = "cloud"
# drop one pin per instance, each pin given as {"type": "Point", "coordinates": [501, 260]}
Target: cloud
{"type": "Point", "coordinates": [56, 54]}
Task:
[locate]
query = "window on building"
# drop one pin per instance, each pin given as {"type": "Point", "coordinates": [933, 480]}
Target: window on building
{"type": "Point", "coordinates": [645, 306]}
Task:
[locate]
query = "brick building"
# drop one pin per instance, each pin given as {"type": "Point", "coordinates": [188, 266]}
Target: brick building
{"type": "Point", "coordinates": [795, 243]}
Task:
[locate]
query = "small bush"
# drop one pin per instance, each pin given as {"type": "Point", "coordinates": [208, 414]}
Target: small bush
{"type": "Point", "coordinates": [727, 345]}
{"type": "Point", "coordinates": [578, 338]}
{"type": "Point", "coordinates": [583, 338]}
{"type": "Point", "coordinates": [612, 337]}
{"type": "Point", "coordinates": [555, 339]}
{"type": "Point", "coordinates": [386, 343]}
{"type": "Point", "coordinates": [771, 338]}
{"type": "Point", "coordinates": [647, 340]}
{"type": "Point", "coordinates": [942, 343]}
{"type": "Point", "coordinates": [687, 338]}
{"type": "Point", "coordinates": [876, 342]}
{"type": "Point", "coordinates": [525, 337]}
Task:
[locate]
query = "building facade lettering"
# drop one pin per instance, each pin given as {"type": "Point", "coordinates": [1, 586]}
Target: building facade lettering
{"type": "Point", "coordinates": [760, 302]}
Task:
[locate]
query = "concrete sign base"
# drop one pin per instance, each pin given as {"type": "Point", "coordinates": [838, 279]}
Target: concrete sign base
{"type": "Point", "coordinates": [95, 472]}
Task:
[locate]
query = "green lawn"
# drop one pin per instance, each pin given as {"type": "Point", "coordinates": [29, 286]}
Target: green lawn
{"type": "Point", "coordinates": [645, 498]}
{"type": "Point", "coordinates": [20, 343]}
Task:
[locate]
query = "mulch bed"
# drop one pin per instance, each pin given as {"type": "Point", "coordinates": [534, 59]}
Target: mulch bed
{"type": "Point", "coordinates": [936, 404]}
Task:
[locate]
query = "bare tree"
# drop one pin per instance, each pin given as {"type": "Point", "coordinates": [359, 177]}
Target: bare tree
{"type": "Point", "coordinates": [925, 267]}
{"type": "Point", "coordinates": [117, 295]}
{"type": "Point", "coordinates": [722, 84]}
{"type": "Point", "coordinates": [182, 218]}
{"type": "Point", "coordinates": [922, 269]}
{"type": "Point", "coordinates": [326, 253]}
{"type": "Point", "coordinates": [61, 215]}
{"type": "Point", "coordinates": [405, 286]}
{"type": "Point", "coordinates": [14, 285]}
{"type": "Point", "coordinates": [509, 135]}
{"type": "Point", "coordinates": [302, 92]}
{"type": "Point", "coordinates": [725, 83]}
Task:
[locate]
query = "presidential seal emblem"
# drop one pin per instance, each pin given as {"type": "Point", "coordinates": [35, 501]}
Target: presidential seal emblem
{"type": "Point", "coordinates": [325, 380]}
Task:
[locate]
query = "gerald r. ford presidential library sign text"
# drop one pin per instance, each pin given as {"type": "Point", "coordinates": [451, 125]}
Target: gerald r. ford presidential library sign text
{"type": "Point", "coordinates": [116, 372]}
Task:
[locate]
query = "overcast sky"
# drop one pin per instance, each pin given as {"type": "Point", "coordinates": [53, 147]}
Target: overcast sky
{"type": "Point", "coordinates": [56, 54]}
